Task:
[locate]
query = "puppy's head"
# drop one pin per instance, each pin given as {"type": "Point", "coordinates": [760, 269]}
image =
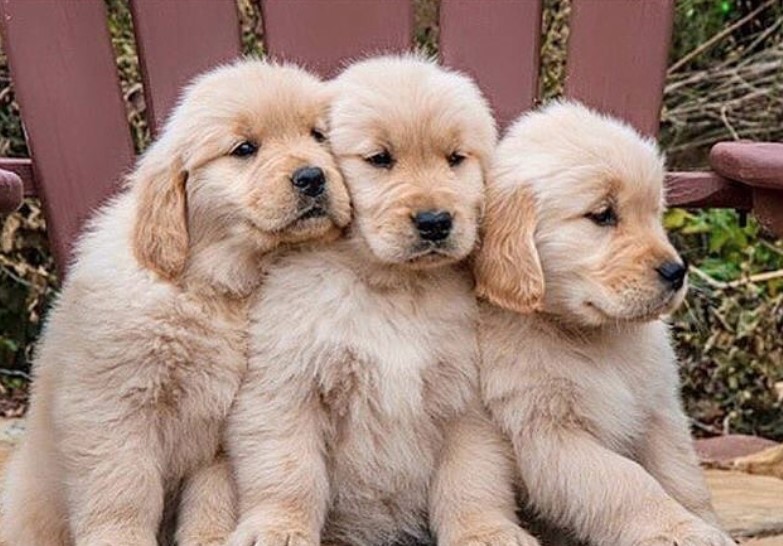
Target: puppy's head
{"type": "Point", "coordinates": [242, 158]}
{"type": "Point", "coordinates": [574, 221]}
{"type": "Point", "coordinates": [413, 141]}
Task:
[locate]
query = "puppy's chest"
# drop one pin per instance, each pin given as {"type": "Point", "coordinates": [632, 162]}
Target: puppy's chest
{"type": "Point", "coordinates": [382, 439]}
{"type": "Point", "coordinates": [387, 384]}
{"type": "Point", "coordinates": [615, 393]}
{"type": "Point", "coordinates": [195, 362]}
{"type": "Point", "coordinates": [399, 382]}
{"type": "Point", "coordinates": [382, 356]}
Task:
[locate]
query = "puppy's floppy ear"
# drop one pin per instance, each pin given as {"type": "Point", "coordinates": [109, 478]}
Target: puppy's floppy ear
{"type": "Point", "coordinates": [160, 235]}
{"type": "Point", "coordinates": [507, 268]}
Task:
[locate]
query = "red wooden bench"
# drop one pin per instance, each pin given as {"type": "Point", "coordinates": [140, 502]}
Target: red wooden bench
{"type": "Point", "coordinates": [67, 86]}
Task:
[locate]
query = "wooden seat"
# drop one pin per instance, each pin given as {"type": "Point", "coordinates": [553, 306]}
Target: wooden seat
{"type": "Point", "coordinates": [66, 82]}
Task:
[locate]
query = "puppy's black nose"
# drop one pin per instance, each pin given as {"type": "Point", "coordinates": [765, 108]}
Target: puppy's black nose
{"type": "Point", "coordinates": [433, 225]}
{"type": "Point", "coordinates": [309, 180]}
{"type": "Point", "coordinates": [673, 273]}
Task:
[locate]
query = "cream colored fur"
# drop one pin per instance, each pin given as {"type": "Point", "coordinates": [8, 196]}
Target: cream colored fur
{"type": "Point", "coordinates": [359, 415]}
{"type": "Point", "coordinates": [145, 348]}
{"type": "Point", "coordinates": [586, 389]}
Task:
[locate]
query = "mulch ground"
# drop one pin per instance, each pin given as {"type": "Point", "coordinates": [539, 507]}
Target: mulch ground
{"type": "Point", "coordinates": [13, 401]}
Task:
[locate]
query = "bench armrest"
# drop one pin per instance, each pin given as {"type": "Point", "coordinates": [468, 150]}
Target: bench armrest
{"type": "Point", "coordinates": [759, 166]}
{"type": "Point", "coordinates": [756, 164]}
{"type": "Point", "coordinates": [11, 191]}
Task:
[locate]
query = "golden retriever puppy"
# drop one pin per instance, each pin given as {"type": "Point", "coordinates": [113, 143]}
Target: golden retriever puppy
{"type": "Point", "coordinates": [145, 348]}
{"type": "Point", "coordinates": [584, 382]}
{"type": "Point", "coordinates": [359, 415]}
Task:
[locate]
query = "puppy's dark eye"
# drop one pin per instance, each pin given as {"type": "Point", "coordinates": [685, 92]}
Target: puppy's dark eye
{"type": "Point", "coordinates": [382, 160]}
{"type": "Point", "coordinates": [318, 135]}
{"type": "Point", "coordinates": [604, 217]}
{"type": "Point", "coordinates": [455, 159]}
{"type": "Point", "coordinates": [244, 149]}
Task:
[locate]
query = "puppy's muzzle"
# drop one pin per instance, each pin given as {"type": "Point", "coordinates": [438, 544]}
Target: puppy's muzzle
{"type": "Point", "coordinates": [434, 226]}
{"type": "Point", "coordinates": [310, 181]}
{"type": "Point", "coordinates": [672, 274]}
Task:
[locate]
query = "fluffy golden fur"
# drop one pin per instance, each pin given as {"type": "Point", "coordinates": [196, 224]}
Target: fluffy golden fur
{"type": "Point", "coordinates": [360, 415]}
{"type": "Point", "coordinates": [145, 348]}
{"type": "Point", "coordinates": [586, 387]}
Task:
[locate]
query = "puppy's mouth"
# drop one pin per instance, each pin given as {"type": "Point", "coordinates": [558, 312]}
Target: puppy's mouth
{"type": "Point", "coordinates": [316, 216]}
{"type": "Point", "coordinates": [426, 253]}
{"type": "Point", "coordinates": [312, 212]}
{"type": "Point", "coordinates": [315, 211]}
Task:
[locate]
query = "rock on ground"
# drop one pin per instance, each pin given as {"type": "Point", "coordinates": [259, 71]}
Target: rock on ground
{"type": "Point", "coordinates": [747, 505]}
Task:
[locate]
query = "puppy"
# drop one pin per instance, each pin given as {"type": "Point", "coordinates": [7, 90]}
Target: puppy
{"type": "Point", "coordinates": [144, 350]}
{"type": "Point", "coordinates": [359, 415]}
{"type": "Point", "coordinates": [586, 387]}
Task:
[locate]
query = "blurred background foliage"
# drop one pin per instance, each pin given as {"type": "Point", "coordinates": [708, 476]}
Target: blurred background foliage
{"type": "Point", "coordinates": [724, 83]}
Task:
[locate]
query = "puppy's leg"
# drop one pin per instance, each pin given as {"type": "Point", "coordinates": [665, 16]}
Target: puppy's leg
{"type": "Point", "coordinates": [115, 486]}
{"type": "Point", "coordinates": [604, 497]}
{"type": "Point", "coordinates": [275, 444]}
{"type": "Point", "coordinates": [208, 511]}
{"type": "Point", "coordinates": [34, 511]}
{"type": "Point", "coordinates": [669, 456]}
{"type": "Point", "coordinates": [472, 500]}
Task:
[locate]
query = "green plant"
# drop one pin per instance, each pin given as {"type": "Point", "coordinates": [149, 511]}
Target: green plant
{"type": "Point", "coordinates": [728, 334]}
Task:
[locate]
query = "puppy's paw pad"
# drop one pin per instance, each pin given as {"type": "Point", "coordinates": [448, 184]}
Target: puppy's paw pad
{"type": "Point", "coordinates": [506, 536]}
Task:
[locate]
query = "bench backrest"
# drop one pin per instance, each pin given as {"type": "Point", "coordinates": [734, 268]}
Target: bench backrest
{"type": "Point", "coordinates": [67, 86]}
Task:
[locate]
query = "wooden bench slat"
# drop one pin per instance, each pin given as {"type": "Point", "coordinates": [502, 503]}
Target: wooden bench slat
{"type": "Point", "coordinates": [324, 36]}
{"type": "Point", "coordinates": [704, 190]}
{"type": "Point", "coordinates": [65, 79]}
{"type": "Point", "coordinates": [617, 55]}
{"type": "Point", "coordinates": [499, 46]}
{"type": "Point", "coordinates": [178, 39]}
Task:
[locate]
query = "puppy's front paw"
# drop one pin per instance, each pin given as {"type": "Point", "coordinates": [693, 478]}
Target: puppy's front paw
{"type": "Point", "coordinates": [693, 532]}
{"type": "Point", "coordinates": [247, 536]}
{"type": "Point", "coordinates": [507, 535]}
